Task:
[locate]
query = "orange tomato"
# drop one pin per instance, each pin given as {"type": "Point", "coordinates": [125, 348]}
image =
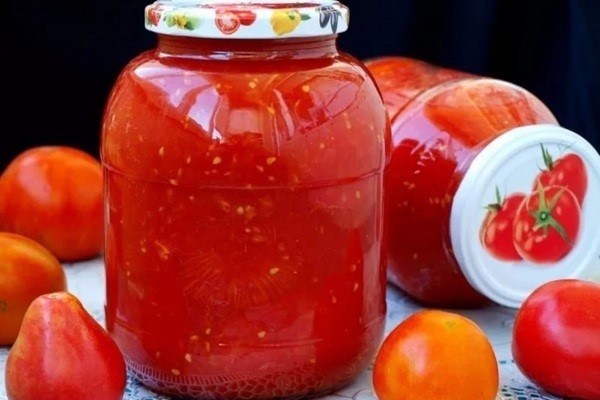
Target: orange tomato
{"type": "Point", "coordinates": [436, 355]}
{"type": "Point", "coordinates": [53, 195]}
{"type": "Point", "coordinates": [27, 270]}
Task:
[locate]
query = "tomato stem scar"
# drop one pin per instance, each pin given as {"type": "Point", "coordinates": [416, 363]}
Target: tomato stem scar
{"type": "Point", "coordinates": [543, 215]}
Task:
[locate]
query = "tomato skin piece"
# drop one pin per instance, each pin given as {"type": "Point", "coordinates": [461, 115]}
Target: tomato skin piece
{"type": "Point", "coordinates": [402, 79]}
{"type": "Point", "coordinates": [478, 110]}
{"type": "Point", "coordinates": [54, 195]}
{"type": "Point", "coordinates": [556, 338]}
{"type": "Point", "coordinates": [568, 171]}
{"type": "Point", "coordinates": [433, 353]}
{"type": "Point", "coordinates": [550, 235]}
{"type": "Point", "coordinates": [497, 229]}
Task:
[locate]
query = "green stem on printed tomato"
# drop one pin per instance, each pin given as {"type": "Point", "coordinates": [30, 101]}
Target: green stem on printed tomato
{"type": "Point", "coordinates": [543, 215]}
{"type": "Point", "coordinates": [497, 206]}
{"type": "Point", "coordinates": [548, 161]}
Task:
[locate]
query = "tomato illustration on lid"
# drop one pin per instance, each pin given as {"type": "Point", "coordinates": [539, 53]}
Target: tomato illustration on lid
{"type": "Point", "coordinates": [546, 225]}
{"type": "Point", "coordinates": [268, 19]}
{"type": "Point", "coordinates": [545, 181]}
{"type": "Point", "coordinates": [496, 233]}
{"type": "Point", "coordinates": [568, 171]}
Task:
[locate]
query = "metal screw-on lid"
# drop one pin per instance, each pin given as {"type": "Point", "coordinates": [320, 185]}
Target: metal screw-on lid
{"type": "Point", "coordinates": [553, 226]}
{"type": "Point", "coordinates": [247, 19]}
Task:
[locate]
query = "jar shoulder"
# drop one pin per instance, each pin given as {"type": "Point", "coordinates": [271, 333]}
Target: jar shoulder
{"type": "Point", "coordinates": [310, 114]}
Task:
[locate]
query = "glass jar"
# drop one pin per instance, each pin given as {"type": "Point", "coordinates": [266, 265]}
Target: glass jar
{"type": "Point", "coordinates": [243, 161]}
{"type": "Point", "coordinates": [487, 197]}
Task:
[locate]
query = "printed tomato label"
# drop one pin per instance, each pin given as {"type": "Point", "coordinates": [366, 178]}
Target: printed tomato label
{"type": "Point", "coordinates": [526, 212]}
{"type": "Point", "coordinates": [541, 226]}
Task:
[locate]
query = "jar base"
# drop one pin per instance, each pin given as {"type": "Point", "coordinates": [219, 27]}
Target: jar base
{"type": "Point", "coordinates": [301, 383]}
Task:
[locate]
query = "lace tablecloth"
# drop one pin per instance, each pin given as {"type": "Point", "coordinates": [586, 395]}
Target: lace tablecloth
{"type": "Point", "coordinates": [86, 281]}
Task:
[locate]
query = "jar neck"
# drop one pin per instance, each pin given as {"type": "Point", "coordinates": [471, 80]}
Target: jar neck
{"type": "Point", "coordinates": [259, 49]}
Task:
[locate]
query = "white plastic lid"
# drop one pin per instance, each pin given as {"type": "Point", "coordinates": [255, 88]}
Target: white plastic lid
{"type": "Point", "coordinates": [247, 19]}
{"type": "Point", "coordinates": [554, 224]}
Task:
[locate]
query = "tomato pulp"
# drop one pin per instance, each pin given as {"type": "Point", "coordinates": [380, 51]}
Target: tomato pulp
{"type": "Point", "coordinates": [244, 243]}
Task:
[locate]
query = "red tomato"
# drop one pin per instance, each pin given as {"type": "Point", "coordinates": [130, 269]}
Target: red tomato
{"type": "Point", "coordinates": [227, 21]}
{"type": "Point", "coordinates": [243, 12]}
{"type": "Point", "coordinates": [496, 232]}
{"type": "Point", "coordinates": [53, 194]}
{"type": "Point", "coordinates": [433, 353]}
{"type": "Point", "coordinates": [568, 171]}
{"type": "Point", "coordinates": [27, 270]}
{"type": "Point", "coordinates": [547, 224]}
{"type": "Point", "coordinates": [154, 15]}
{"type": "Point", "coordinates": [247, 17]}
{"type": "Point", "coordinates": [63, 353]}
{"type": "Point", "coordinates": [556, 338]}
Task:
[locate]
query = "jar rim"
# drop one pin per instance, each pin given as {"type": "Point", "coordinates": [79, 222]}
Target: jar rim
{"type": "Point", "coordinates": [247, 19]}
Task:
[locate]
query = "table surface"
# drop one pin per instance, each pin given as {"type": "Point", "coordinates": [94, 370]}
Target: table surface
{"type": "Point", "coordinates": [86, 281]}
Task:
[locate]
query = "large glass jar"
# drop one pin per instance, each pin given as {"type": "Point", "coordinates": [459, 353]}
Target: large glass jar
{"type": "Point", "coordinates": [243, 161]}
{"type": "Point", "coordinates": [487, 197]}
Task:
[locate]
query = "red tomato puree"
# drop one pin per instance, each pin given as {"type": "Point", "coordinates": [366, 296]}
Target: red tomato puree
{"type": "Point", "coordinates": [244, 223]}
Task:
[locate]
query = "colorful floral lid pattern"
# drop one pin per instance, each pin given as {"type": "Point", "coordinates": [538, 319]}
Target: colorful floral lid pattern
{"type": "Point", "coordinates": [247, 19]}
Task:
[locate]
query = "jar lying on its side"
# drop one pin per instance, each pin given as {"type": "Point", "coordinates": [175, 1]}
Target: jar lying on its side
{"type": "Point", "coordinates": [487, 197]}
{"type": "Point", "coordinates": [243, 162]}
